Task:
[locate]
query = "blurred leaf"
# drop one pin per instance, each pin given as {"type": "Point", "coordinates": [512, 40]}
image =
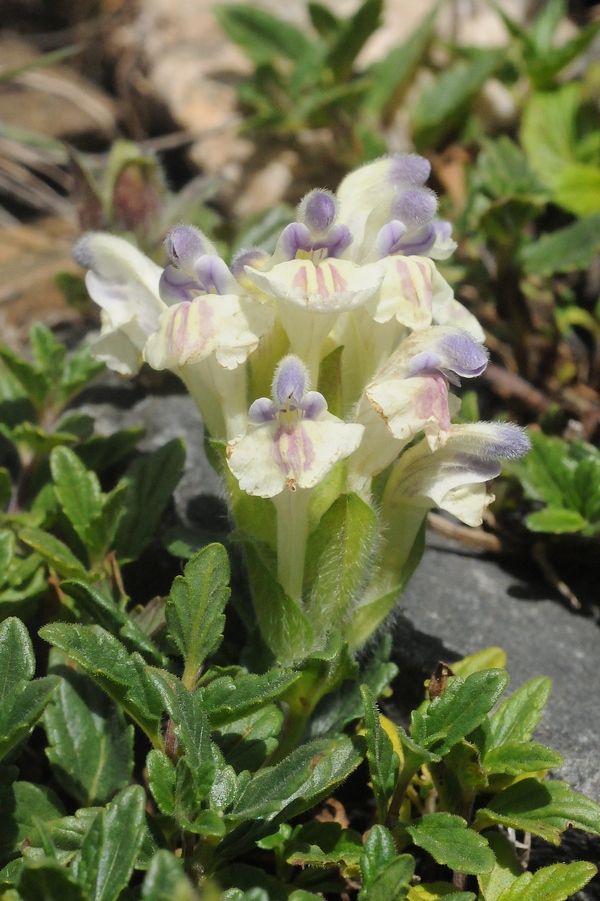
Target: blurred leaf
{"type": "Point", "coordinates": [390, 75]}
{"type": "Point", "coordinates": [449, 841]}
{"type": "Point", "coordinates": [441, 105]}
{"type": "Point", "coordinates": [326, 23]}
{"type": "Point", "coordinates": [47, 880]}
{"type": "Point", "coordinates": [22, 804]}
{"type": "Point", "coordinates": [488, 658]}
{"type": "Point", "coordinates": [165, 880]}
{"type": "Point", "coordinates": [194, 611]}
{"type": "Point", "coordinates": [556, 520]}
{"type": "Point", "coordinates": [17, 662]}
{"type": "Point", "coordinates": [355, 31]}
{"type": "Point", "coordinates": [577, 189]}
{"type": "Point", "coordinates": [261, 36]}
{"type": "Point", "coordinates": [566, 250]}
{"type": "Point", "coordinates": [548, 130]}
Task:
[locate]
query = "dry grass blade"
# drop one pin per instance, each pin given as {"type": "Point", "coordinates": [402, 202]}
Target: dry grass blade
{"type": "Point", "coordinates": [97, 110]}
{"type": "Point", "coordinates": [18, 182]}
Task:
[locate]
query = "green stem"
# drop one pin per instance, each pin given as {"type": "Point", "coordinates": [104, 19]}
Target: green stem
{"type": "Point", "coordinates": [292, 533]}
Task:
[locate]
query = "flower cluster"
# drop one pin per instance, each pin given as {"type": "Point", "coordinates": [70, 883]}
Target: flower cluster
{"type": "Point", "coordinates": [351, 305]}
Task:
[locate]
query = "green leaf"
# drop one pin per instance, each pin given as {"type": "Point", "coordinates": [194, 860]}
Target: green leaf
{"type": "Point", "coordinates": [91, 747]}
{"type": "Point", "coordinates": [195, 607]}
{"type": "Point", "coordinates": [263, 37]}
{"type": "Point", "coordinates": [458, 711]}
{"type": "Point", "coordinates": [65, 834]}
{"type": "Point", "coordinates": [555, 883]}
{"type": "Point", "coordinates": [103, 611]}
{"type": "Point", "coordinates": [548, 130]}
{"type": "Point", "coordinates": [56, 554]}
{"type": "Point", "coordinates": [47, 880]}
{"type": "Point", "coordinates": [22, 708]}
{"type": "Point", "coordinates": [324, 844]}
{"type": "Point", "coordinates": [77, 490]}
{"type": "Point", "coordinates": [566, 250]}
{"type": "Point", "coordinates": [308, 774]}
{"type": "Point", "coordinates": [22, 805]}
{"type": "Point", "coordinates": [161, 779]}
{"type": "Point", "coordinates": [100, 452]}
{"type": "Point", "coordinates": [247, 742]}
{"type": "Point", "coordinates": [517, 716]}
{"type": "Point", "coordinates": [492, 657]}
{"type": "Point", "coordinates": [383, 761]}
{"type": "Point", "coordinates": [34, 383]}
{"type": "Point", "coordinates": [227, 699]}
{"type": "Point", "coordinates": [5, 487]}
{"type": "Point", "coordinates": [449, 841]}
{"type": "Point", "coordinates": [547, 472]}
{"type": "Point", "coordinates": [121, 675]}
{"type": "Point", "coordinates": [324, 21]}
{"type": "Point", "coordinates": [17, 662]}
{"type": "Point", "coordinates": [356, 30]}
{"type": "Point", "coordinates": [558, 521]}
{"type": "Point", "coordinates": [110, 848]}
{"type": "Point", "coordinates": [578, 189]}
{"type": "Point", "coordinates": [338, 556]}
{"type": "Point", "coordinates": [151, 482]}
{"type": "Point", "coordinates": [505, 870]}
{"type": "Point", "coordinates": [378, 851]}
{"type": "Point", "coordinates": [390, 75]}
{"type": "Point", "coordinates": [165, 880]}
{"type": "Point", "coordinates": [393, 882]}
{"type": "Point", "coordinates": [545, 809]}
{"type": "Point", "coordinates": [441, 105]}
{"type": "Point", "coordinates": [515, 757]}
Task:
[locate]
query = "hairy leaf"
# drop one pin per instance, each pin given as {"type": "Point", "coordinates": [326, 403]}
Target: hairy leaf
{"type": "Point", "coordinates": [449, 841]}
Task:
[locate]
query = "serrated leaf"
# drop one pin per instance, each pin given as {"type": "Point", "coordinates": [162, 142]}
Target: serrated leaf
{"type": "Point", "coordinates": [449, 841]}
{"type": "Point", "coordinates": [246, 743]}
{"type": "Point", "coordinates": [324, 845]}
{"type": "Point", "coordinates": [22, 708]}
{"type": "Point", "coordinates": [378, 851]}
{"type": "Point", "coordinates": [384, 762]}
{"type": "Point", "coordinates": [91, 747]}
{"type": "Point", "coordinates": [517, 716]}
{"type": "Point", "coordinates": [463, 706]}
{"type": "Point", "coordinates": [78, 492]}
{"type": "Point", "coordinates": [109, 615]}
{"type": "Point", "coordinates": [165, 880]}
{"type": "Point", "coordinates": [16, 655]}
{"type": "Point", "coordinates": [31, 380]}
{"type": "Point", "coordinates": [110, 848]}
{"type": "Point", "coordinates": [227, 699]}
{"type": "Point", "coordinates": [151, 482]}
{"type": "Point", "coordinates": [161, 779]}
{"type": "Point", "coordinates": [261, 35]}
{"type": "Point", "coordinates": [65, 833]}
{"type": "Point", "coordinates": [194, 611]}
{"type": "Point", "coordinates": [338, 556]}
{"type": "Point", "coordinates": [543, 808]}
{"type": "Point", "coordinates": [55, 552]}
{"type": "Point", "coordinates": [308, 774]}
{"type": "Point", "coordinates": [515, 757]}
{"type": "Point", "coordinates": [393, 882]}
{"type": "Point", "coordinates": [119, 674]}
{"type": "Point", "coordinates": [505, 870]}
{"type": "Point", "coordinates": [555, 883]}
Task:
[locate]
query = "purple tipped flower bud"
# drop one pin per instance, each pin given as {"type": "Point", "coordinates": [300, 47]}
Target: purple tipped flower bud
{"type": "Point", "coordinates": [415, 207]}
{"type": "Point", "coordinates": [253, 257]}
{"type": "Point", "coordinates": [389, 237]}
{"type": "Point", "coordinates": [290, 381]}
{"type": "Point", "coordinates": [184, 245]}
{"type": "Point", "coordinates": [293, 238]}
{"type": "Point", "coordinates": [409, 169]}
{"type": "Point", "coordinates": [318, 211]}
